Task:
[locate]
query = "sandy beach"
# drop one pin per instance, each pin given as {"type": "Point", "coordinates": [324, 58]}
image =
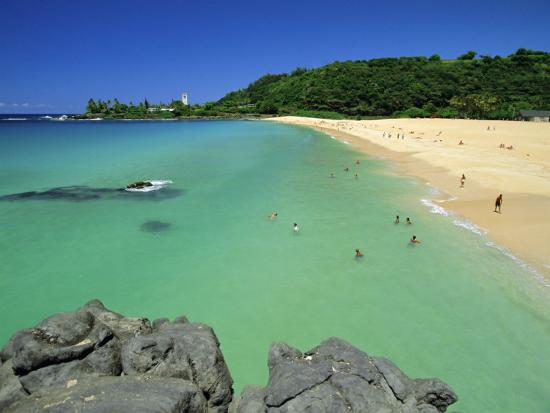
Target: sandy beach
{"type": "Point", "coordinates": [430, 149]}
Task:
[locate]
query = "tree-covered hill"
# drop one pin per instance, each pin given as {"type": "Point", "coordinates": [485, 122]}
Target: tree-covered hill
{"type": "Point", "coordinates": [484, 87]}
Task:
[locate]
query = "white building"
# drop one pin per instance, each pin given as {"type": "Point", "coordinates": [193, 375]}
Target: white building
{"type": "Point", "coordinates": [184, 98]}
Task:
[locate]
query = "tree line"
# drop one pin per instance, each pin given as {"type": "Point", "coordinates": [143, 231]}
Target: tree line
{"type": "Point", "coordinates": [471, 86]}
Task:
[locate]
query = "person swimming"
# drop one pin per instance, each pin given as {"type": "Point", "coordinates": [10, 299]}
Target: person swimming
{"type": "Point", "coordinates": [414, 240]}
{"type": "Point", "coordinates": [346, 169]}
{"type": "Point", "coordinates": [356, 176]}
{"type": "Point", "coordinates": [409, 221]}
{"type": "Point", "coordinates": [358, 253]}
{"type": "Point", "coordinates": [396, 219]}
{"type": "Point", "coordinates": [296, 228]}
{"type": "Point", "coordinates": [273, 215]}
{"type": "Point", "coordinates": [332, 175]}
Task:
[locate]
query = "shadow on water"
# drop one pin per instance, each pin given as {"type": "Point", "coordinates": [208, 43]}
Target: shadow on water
{"type": "Point", "coordinates": [86, 193]}
{"type": "Point", "coordinates": [155, 226]}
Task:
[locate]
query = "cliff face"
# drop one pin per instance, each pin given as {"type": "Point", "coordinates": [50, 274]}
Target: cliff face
{"type": "Point", "coordinates": [95, 360]}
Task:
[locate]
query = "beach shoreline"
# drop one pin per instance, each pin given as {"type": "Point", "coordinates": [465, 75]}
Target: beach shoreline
{"type": "Point", "coordinates": [429, 149]}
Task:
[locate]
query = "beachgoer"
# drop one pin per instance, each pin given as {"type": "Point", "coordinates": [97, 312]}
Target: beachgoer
{"type": "Point", "coordinates": [488, 128]}
{"type": "Point", "coordinates": [357, 162]}
{"type": "Point", "coordinates": [358, 253]}
{"type": "Point", "coordinates": [396, 219]}
{"type": "Point", "coordinates": [461, 143]}
{"type": "Point", "coordinates": [384, 135]}
{"type": "Point", "coordinates": [346, 169]}
{"type": "Point", "coordinates": [414, 240]}
{"type": "Point", "coordinates": [462, 180]}
{"type": "Point", "coordinates": [409, 222]}
{"type": "Point", "coordinates": [356, 176]}
{"type": "Point", "coordinates": [273, 215]}
{"type": "Point", "coordinates": [296, 228]}
{"type": "Point", "coordinates": [332, 175]}
{"type": "Point", "coordinates": [510, 147]}
{"type": "Point", "coordinates": [498, 203]}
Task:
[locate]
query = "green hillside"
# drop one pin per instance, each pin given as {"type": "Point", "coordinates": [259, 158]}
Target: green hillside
{"type": "Point", "coordinates": [484, 87]}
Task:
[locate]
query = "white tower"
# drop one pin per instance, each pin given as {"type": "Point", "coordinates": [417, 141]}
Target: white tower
{"type": "Point", "coordinates": [184, 98]}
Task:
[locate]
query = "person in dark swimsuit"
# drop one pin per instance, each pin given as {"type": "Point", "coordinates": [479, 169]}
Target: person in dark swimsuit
{"type": "Point", "coordinates": [498, 203]}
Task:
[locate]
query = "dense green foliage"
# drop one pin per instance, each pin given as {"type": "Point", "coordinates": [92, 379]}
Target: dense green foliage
{"type": "Point", "coordinates": [485, 87]}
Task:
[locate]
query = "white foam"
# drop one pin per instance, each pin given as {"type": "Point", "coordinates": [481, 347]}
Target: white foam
{"type": "Point", "coordinates": [156, 185]}
{"type": "Point", "coordinates": [332, 137]}
{"type": "Point", "coordinates": [434, 208]}
{"type": "Point", "coordinates": [346, 142]}
{"type": "Point", "coordinates": [16, 119]}
{"type": "Point", "coordinates": [470, 226]}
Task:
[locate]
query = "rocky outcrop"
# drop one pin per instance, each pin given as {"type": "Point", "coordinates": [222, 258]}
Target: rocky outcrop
{"type": "Point", "coordinates": [337, 377]}
{"type": "Point", "coordinates": [94, 360]}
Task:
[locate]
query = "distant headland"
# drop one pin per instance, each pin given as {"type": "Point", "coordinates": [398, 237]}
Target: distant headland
{"type": "Point", "coordinates": [470, 87]}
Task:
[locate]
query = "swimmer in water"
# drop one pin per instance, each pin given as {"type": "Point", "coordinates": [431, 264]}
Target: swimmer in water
{"type": "Point", "coordinates": [273, 215]}
{"type": "Point", "coordinates": [409, 222]}
{"type": "Point", "coordinates": [358, 253]}
{"type": "Point", "coordinates": [296, 228]}
{"type": "Point", "coordinates": [346, 169]}
{"type": "Point", "coordinates": [357, 162]}
{"type": "Point", "coordinates": [396, 219]}
{"type": "Point", "coordinates": [332, 175]}
{"type": "Point", "coordinates": [356, 176]}
{"type": "Point", "coordinates": [414, 240]}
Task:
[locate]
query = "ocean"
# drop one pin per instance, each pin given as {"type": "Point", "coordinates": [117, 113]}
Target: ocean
{"type": "Point", "coordinates": [456, 306]}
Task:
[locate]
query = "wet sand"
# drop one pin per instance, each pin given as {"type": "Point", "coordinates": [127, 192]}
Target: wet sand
{"type": "Point", "coordinates": [431, 151]}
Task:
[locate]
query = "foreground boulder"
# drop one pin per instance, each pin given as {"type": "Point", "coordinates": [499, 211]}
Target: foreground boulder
{"type": "Point", "coordinates": [337, 377]}
{"type": "Point", "coordinates": [96, 360]}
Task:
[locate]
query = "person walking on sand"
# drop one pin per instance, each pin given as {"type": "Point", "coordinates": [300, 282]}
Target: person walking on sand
{"type": "Point", "coordinates": [358, 253]}
{"type": "Point", "coordinates": [396, 219]}
{"type": "Point", "coordinates": [462, 180]}
{"type": "Point", "coordinates": [498, 203]}
{"type": "Point", "coordinates": [296, 228]}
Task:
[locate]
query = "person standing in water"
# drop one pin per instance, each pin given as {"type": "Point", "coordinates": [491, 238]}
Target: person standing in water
{"type": "Point", "coordinates": [409, 222]}
{"type": "Point", "coordinates": [462, 180]}
{"type": "Point", "coordinates": [498, 203]}
{"type": "Point", "coordinates": [296, 228]}
{"type": "Point", "coordinates": [396, 219]}
{"type": "Point", "coordinates": [358, 253]}
{"type": "Point", "coordinates": [273, 215]}
{"type": "Point", "coordinates": [414, 240]}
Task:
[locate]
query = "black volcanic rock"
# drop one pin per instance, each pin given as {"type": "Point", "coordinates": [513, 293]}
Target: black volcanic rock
{"type": "Point", "coordinates": [94, 360]}
{"type": "Point", "coordinates": [337, 377]}
{"type": "Point", "coordinates": [139, 394]}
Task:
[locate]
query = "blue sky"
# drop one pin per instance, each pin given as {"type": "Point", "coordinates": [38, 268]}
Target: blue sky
{"type": "Point", "coordinates": [56, 54]}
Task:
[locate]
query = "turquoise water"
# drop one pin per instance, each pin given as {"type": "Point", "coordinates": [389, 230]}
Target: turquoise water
{"type": "Point", "coordinates": [451, 307]}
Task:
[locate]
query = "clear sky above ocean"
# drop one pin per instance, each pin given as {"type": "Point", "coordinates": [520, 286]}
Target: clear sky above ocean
{"type": "Point", "coordinates": [56, 54]}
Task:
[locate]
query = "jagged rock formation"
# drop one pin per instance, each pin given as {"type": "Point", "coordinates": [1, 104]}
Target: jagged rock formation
{"type": "Point", "coordinates": [94, 360]}
{"type": "Point", "coordinates": [337, 377]}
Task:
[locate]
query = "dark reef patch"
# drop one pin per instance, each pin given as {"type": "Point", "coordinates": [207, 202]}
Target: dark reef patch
{"type": "Point", "coordinates": [79, 193]}
{"type": "Point", "coordinates": [155, 226]}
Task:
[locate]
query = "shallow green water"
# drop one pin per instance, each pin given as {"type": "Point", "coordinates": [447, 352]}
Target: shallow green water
{"type": "Point", "coordinates": [451, 307]}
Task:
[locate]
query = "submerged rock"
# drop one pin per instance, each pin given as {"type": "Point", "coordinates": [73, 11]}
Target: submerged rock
{"type": "Point", "coordinates": [155, 226]}
{"type": "Point", "coordinates": [81, 193]}
{"type": "Point", "coordinates": [95, 360]}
